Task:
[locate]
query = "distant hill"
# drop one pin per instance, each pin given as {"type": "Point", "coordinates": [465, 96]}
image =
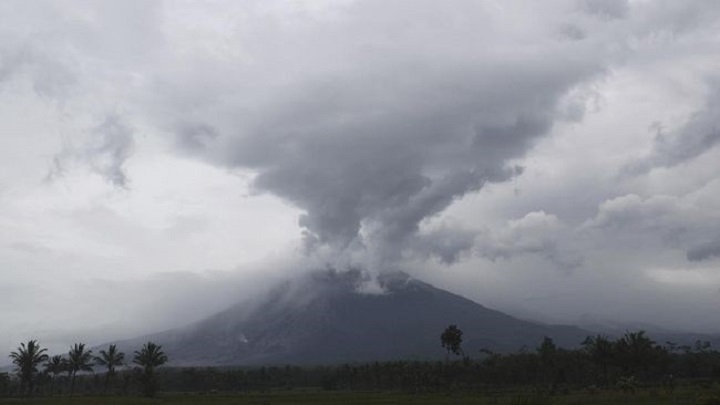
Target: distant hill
{"type": "Point", "coordinates": [323, 318]}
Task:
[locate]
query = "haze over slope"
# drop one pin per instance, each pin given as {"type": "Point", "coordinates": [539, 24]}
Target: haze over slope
{"type": "Point", "coordinates": [331, 317]}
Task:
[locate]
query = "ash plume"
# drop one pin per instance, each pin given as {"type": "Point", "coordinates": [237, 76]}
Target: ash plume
{"type": "Point", "coordinates": [372, 145]}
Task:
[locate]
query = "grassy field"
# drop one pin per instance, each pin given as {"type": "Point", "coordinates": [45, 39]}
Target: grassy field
{"type": "Point", "coordinates": [687, 396]}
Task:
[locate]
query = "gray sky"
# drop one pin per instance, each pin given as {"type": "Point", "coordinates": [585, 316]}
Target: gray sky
{"type": "Point", "coordinates": [160, 160]}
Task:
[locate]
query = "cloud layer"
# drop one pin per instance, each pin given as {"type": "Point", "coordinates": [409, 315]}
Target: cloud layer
{"type": "Point", "coordinates": [557, 158]}
{"type": "Point", "coordinates": [391, 120]}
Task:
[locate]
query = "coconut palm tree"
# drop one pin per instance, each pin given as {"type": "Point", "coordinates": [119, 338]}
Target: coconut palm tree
{"type": "Point", "coordinates": [150, 357]}
{"type": "Point", "coordinates": [27, 358]}
{"type": "Point", "coordinates": [601, 351]}
{"type": "Point", "coordinates": [79, 359]}
{"type": "Point", "coordinates": [635, 350]}
{"type": "Point", "coordinates": [110, 359]}
{"type": "Point", "coordinates": [55, 365]}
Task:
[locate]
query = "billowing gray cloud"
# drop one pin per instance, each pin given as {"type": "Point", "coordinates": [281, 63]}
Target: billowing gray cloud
{"type": "Point", "coordinates": [446, 244]}
{"type": "Point", "coordinates": [390, 135]}
{"type": "Point", "coordinates": [386, 173]}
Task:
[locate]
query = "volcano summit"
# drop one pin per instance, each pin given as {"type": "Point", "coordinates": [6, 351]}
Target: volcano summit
{"type": "Point", "coordinates": [330, 317]}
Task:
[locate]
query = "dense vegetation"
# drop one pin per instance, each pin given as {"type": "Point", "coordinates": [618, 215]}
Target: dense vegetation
{"type": "Point", "coordinates": [632, 365]}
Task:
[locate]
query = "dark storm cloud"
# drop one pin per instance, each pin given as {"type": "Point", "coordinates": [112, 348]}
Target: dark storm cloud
{"type": "Point", "coordinates": [409, 119]}
{"type": "Point", "coordinates": [386, 172]}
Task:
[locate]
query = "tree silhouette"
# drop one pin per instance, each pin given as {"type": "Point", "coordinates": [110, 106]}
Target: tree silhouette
{"type": "Point", "coordinates": [636, 350]}
{"type": "Point", "coordinates": [547, 352]}
{"type": "Point", "coordinates": [55, 365]}
{"type": "Point", "coordinates": [79, 359]}
{"type": "Point", "coordinates": [110, 359]}
{"type": "Point", "coordinates": [547, 348]}
{"type": "Point", "coordinates": [451, 340]}
{"type": "Point", "coordinates": [150, 357]}
{"type": "Point", "coordinates": [27, 358]}
{"type": "Point", "coordinates": [601, 351]}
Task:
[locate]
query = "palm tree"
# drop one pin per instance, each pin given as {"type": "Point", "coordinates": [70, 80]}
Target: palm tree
{"type": "Point", "coordinates": [55, 365]}
{"type": "Point", "coordinates": [601, 351]}
{"type": "Point", "coordinates": [110, 359]}
{"type": "Point", "coordinates": [635, 350]}
{"type": "Point", "coordinates": [150, 357]}
{"type": "Point", "coordinates": [79, 359]}
{"type": "Point", "coordinates": [27, 358]}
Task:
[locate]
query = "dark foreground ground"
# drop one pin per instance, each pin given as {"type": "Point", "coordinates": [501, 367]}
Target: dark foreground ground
{"type": "Point", "coordinates": [680, 396]}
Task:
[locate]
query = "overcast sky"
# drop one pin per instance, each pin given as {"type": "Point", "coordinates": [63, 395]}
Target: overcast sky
{"type": "Point", "coordinates": [559, 160]}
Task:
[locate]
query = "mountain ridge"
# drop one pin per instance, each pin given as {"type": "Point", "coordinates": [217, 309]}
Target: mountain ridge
{"type": "Point", "coordinates": [330, 317]}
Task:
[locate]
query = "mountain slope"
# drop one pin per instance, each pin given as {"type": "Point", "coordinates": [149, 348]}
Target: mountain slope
{"type": "Point", "coordinates": [324, 319]}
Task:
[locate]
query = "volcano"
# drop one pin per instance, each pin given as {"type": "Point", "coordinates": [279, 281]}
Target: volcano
{"type": "Point", "coordinates": [333, 317]}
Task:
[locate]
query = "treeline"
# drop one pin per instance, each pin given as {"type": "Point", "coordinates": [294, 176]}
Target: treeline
{"type": "Point", "coordinates": [59, 374]}
{"type": "Point", "coordinates": [629, 362]}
